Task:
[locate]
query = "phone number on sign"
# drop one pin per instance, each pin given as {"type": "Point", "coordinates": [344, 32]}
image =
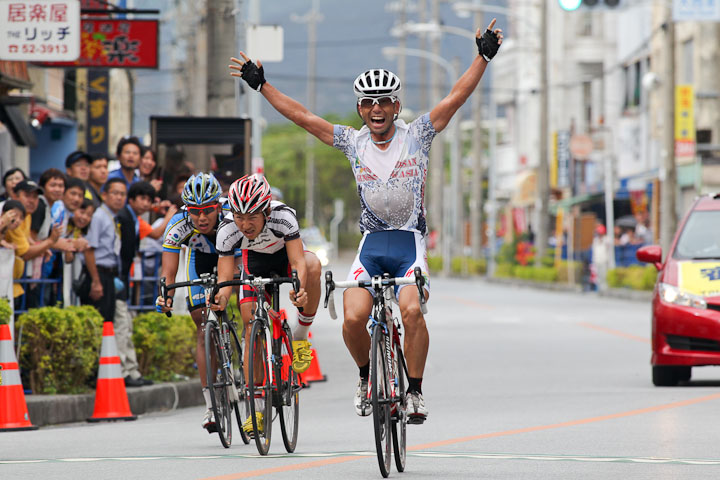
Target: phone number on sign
{"type": "Point", "coordinates": [42, 48]}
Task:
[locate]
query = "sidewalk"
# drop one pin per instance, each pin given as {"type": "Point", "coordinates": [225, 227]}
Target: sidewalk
{"type": "Point", "coordinates": [54, 409]}
{"type": "Point", "coordinates": [623, 293]}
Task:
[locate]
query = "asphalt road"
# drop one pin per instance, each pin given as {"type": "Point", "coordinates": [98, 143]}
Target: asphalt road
{"type": "Point", "coordinates": [520, 383]}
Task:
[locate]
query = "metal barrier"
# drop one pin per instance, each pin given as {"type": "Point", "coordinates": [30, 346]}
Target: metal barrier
{"type": "Point", "coordinates": [143, 287]}
{"type": "Point", "coordinates": [41, 282]}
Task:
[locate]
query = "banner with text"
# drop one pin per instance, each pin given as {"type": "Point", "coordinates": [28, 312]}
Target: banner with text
{"type": "Point", "coordinates": [684, 121]}
{"type": "Point", "coordinates": [39, 30]}
{"type": "Point", "coordinates": [117, 44]}
{"type": "Point", "coordinates": [98, 110]}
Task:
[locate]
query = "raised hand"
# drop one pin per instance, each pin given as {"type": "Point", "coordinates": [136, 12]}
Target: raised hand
{"type": "Point", "coordinates": [253, 74]}
{"type": "Point", "coordinates": [489, 41]}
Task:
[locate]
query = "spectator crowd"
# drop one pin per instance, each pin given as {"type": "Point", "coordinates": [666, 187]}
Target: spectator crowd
{"type": "Point", "coordinates": [88, 224]}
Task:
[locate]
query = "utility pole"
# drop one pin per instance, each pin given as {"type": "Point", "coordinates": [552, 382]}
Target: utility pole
{"type": "Point", "coordinates": [402, 44]}
{"type": "Point", "coordinates": [221, 46]}
{"type": "Point", "coordinates": [254, 104]}
{"type": "Point", "coordinates": [240, 42]}
{"type": "Point", "coordinates": [437, 153]}
{"type": "Point", "coordinates": [311, 19]}
{"type": "Point", "coordinates": [543, 180]}
{"type": "Point", "coordinates": [456, 184]}
{"type": "Point", "coordinates": [477, 170]}
{"type": "Point", "coordinates": [668, 172]}
{"type": "Point", "coordinates": [422, 45]}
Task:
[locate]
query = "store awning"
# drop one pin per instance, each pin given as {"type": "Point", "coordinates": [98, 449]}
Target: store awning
{"type": "Point", "coordinates": [525, 189]}
{"type": "Point", "coordinates": [566, 203]}
{"type": "Point", "coordinates": [14, 74]}
{"type": "Point", "coordinates": [15, 122]}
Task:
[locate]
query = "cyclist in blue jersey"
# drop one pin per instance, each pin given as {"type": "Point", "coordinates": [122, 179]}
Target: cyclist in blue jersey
{"type": "Point", "coordinates": [195, 226]}
{"type": "Point", "coordinates": [389, 159]}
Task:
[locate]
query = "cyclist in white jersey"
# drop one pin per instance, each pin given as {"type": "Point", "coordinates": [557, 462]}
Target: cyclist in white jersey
{"type": "Point", "coordinates": [268, 234]}
{"type": "Point", "coordinates": [389, 159]}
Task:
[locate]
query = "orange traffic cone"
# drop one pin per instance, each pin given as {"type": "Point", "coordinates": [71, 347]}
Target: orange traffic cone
{"type": "Point", "coordinates": [111, 401]}
{"type": "Point", "coordinates": [313, 373]}
{"type": "Point", "coordinates": [13, 409]}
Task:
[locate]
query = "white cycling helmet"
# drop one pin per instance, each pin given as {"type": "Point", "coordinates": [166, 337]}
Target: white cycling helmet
{"type": "Point", "coordinates": [249, 194]}
{"type": "Point", "coordinates": [376, 83]}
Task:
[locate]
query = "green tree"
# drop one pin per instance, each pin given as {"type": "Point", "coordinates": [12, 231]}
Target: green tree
{"type": "Point", "coordinates": [284, 151]}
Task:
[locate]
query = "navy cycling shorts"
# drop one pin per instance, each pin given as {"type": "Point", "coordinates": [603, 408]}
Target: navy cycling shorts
{"type": "Point", "coordinates": [396, 252]}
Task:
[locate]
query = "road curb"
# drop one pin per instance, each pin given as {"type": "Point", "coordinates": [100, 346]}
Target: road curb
{"type": "Point", "coordinates": [623, 293]}
{"type": "Point", "coordinates": [56, 409]}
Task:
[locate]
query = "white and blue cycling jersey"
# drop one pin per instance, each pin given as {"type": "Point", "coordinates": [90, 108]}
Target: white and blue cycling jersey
{"type": "Point", "coordinates": [391, 186]}
{"type": "Point", "coordinates": [390, 182]}
{"type": "Point", "coordinates": [201, 254]}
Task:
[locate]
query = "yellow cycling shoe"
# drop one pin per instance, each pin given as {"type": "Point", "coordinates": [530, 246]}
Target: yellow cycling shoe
{"type": "Point", "coordinates": [302, 355]}
{"type": "Point", "coordinates": [248, 425]}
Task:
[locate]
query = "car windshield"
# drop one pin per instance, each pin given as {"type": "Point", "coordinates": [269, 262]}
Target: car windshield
{"type": "Point", "coordinates": [701, 236]}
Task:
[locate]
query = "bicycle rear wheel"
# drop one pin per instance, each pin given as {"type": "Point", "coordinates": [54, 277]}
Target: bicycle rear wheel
{"type": "Point", "coordinates": [217, 381]}
{"type": "Point", "coordinates": [288, 382]}
{"type": "Point", "coordinates": [241, 405]}
{"type": "Point", "coordinates": [260, 388]}
{"type": "Point", "coordinates": [400, 414]}
{"type": "Point", "coordinates": [380, 388]}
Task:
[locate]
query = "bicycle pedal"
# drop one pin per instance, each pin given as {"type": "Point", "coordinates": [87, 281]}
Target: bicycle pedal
{"type": "Point", "coordinates": [416, 420]}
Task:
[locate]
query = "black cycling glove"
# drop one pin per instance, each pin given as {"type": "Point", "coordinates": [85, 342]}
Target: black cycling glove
{"type": "Point", "coordinates": [488, 45]}
{"type": "Point", "coordinates": [254, 76]}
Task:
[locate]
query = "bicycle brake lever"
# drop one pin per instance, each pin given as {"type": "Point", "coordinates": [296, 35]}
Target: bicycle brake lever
{"type": "Point", "coordinates": [420, 282]}
{"type": "Point", "coordinates": [330, 295]}
{"type": "Point", "coordinates": [295, 285]}
{"type": "Point", "coordinates": [163, 293]}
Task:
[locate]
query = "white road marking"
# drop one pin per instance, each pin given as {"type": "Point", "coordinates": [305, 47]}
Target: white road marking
{"type": "Point", "coordinates": [423, 454]}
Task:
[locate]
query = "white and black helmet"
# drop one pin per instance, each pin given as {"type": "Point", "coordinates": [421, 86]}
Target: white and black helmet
{"type": "Point", "coordinates": [376, 83]}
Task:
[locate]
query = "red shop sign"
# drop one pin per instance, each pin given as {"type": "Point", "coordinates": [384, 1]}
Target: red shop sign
{"type": "Point", "coordinates": [116, 44]}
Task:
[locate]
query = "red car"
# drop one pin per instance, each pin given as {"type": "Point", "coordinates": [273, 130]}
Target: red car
{"type": "Point", "coordinates": [686, 299]}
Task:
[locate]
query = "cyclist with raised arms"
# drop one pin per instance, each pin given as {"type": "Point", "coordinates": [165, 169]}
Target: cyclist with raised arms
{"type": "Point", "coordinates": [268, 234]}
{"type": "Point", "coordinates": [389, 159]}
{"type": "Point", "coordinates": [195, 226]}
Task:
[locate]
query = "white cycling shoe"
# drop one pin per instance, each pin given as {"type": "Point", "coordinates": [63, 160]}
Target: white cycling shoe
{"type": "Point", "coordinates": [362, 406]}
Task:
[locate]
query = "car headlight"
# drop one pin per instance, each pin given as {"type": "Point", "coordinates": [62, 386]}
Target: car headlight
{"type": "Point", "coordinates": [322, 255]}
{"type": "Point", "coordinates": [677, 296]}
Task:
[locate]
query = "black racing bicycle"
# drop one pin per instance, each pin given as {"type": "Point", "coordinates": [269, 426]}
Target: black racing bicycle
{"type": "Point", "coordinates": [223, 362]}
{"type": "Point", "coordinates": [272, 381]}
{"type": "Point", "coordinates": [388, 370]}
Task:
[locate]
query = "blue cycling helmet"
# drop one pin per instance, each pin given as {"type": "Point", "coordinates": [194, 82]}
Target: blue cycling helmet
{"type": "Point", "coordinates": [201, 189]}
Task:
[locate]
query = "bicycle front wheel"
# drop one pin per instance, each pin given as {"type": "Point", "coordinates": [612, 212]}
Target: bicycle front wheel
{"type": "Point", "coordinates": [218, 381]}
{"type": "Point", "coordinates": [380, 387]}
{"type": "Point", "coordinates": [260, 388]}
{"type": "Point", "coordinates": [400, 409]}
{"type": "Point", "coordinates": [240, 404]}
{"type": "Point", "coordinates": [289, 393]}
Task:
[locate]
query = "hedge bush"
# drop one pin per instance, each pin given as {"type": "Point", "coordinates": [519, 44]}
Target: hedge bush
{"type": "Point", "coordinates": [165, 346]}
{"type": "Point", "coordinates": [60, 348]}
{"type": "Point", "coordinates": [635, 277]}
{"type": "Point", "coordinates": [5, 311]}
{"type": "Point", "coordinates": [474, 266]}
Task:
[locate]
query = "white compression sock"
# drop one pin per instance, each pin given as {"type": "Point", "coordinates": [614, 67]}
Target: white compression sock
{"type": "Point", "coordinates": [303, 327]}
{"type": "Point", "coordinates": [206, 395]}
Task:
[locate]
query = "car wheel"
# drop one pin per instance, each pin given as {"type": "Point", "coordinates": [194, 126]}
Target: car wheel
{"type": "Point", "coordinates": [665, 376]}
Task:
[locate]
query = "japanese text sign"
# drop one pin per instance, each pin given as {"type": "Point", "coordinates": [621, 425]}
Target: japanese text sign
{"type": "Point", "coordinates": [39, 30]}
{"type": "Point", "coordinates": [696, 10]}
{"type": "Point", "coordinates": [98, 110]}
{"type": "Point", "coordinates": [684, 121]}
{"type": "Point", "coordinates": [117, 44]}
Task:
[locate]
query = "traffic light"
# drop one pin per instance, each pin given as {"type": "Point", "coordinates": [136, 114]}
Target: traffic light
{"type": "Point", "coordinates": [570, 5]}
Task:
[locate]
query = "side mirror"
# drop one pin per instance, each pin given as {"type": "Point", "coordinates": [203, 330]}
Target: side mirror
{"type": "Point", "coordinates": [650, 254]}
